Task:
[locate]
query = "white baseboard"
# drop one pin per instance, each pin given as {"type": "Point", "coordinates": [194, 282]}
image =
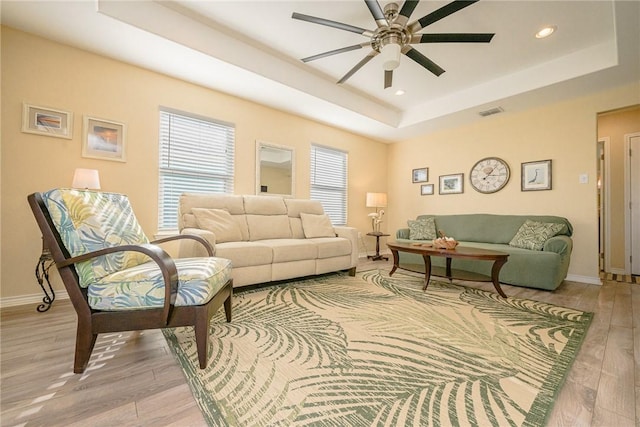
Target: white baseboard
{"type": "Point", "coordinates": [584, 279]}
{"type": "Point", "coordinates": [30, 299]}
{"type": "Point", "coordinates": [618, 271]}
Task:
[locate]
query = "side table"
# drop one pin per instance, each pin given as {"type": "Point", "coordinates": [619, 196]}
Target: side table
{"type": "Point", "coordinates": [42, 273]}
{"type": "Point", "coordinates": [377, 235]}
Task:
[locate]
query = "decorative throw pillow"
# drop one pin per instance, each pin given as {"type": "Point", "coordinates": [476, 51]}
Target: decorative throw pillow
{"type": "Point", "coordinates": [316, 225]}
{"type": "Point", "coordinates": [533, 234]}
{"type": "Point", "coordinates": [219, 222]}
{"type": "Point", "coordinates": [422, 229]}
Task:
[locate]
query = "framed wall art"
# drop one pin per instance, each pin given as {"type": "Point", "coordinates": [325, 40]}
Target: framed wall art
{"type": "Point", "coordinates": [451, 184]}
{"type": "Point", "coordinates": [420, 175]}
{"type": "Point", "coordinates": [103, 139]}
{"type": "Point", "coordinates": [536, 175]}
{"type": "Point", "coordinates": [426, 189]}
{"type": "Point", "coordinates": [47, 121]}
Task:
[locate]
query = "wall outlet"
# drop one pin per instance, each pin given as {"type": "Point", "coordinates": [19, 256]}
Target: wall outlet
{"type": "Point", "coordinates": [583, 178]}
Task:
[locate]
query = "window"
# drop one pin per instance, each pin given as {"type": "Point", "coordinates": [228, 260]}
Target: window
{"type": "Point", "coordinates": [329, 181]}
{"type": "Point", "coordinates": [196, 156]}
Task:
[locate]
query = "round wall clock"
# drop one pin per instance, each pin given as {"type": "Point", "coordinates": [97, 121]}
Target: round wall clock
{"type": "Point", "coordinates": [489, 175]}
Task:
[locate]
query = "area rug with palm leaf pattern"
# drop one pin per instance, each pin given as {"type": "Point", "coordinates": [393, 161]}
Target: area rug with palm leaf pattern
{"type": "Point", "coordinates": [374, 350]}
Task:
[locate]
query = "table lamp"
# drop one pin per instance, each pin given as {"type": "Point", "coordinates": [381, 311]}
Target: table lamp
{"type": "Point", "coordinates": [376, 200]}
{"type": "Point", "coordinates": [88, 179]}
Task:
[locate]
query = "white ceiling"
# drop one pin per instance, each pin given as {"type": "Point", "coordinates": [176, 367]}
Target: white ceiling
{"type": "Point", "coordinates": [252, 49]}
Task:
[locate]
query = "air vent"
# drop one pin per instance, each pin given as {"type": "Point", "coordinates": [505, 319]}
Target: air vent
{"type": "Point", "coordinates": [491, 111]}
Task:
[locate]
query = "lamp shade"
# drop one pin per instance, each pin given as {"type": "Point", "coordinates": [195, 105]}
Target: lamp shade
{"type": "Point", "coordinates": [86, 178]}
{"type": "Point", "coordinates": [376, 200]}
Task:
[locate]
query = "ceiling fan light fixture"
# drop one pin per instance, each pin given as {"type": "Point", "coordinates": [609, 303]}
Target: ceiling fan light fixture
{"type": "Point", "coordinates": [390, 56]}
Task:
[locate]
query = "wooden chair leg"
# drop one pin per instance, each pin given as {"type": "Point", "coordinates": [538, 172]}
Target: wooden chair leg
{"type": "Point", "coordinates": [227, 306]}
{"type": "Point", "coordinates": [85, 341]}
{"type": "Point", "coordinates": [201, 328]}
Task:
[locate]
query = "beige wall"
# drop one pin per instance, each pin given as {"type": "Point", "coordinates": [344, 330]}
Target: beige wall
{"type": "Point", "coordinates": [615, 125]}
{"type": "Point", "coordinates": [41, 72]}
{"type": "Point", "coordinates": [564, 132]}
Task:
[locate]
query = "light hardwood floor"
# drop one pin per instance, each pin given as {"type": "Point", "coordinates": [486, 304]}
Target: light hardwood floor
{"type": "Point", "coordinates": [133, 378]}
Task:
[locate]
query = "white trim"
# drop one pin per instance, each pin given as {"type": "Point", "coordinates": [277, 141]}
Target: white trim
{"type": "Point", "coordinates": [617, 271]}
{"type": "Point", "coordinates": [31, 299]}
{"type": "Point", "coordinates": [627, 201]}
{"type": "Point", "coordinates": [606, 188]}
{"type": "Point", "coordinates": [584, 279]}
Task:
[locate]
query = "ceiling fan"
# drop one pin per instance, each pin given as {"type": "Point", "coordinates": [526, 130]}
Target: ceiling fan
{"type": "Point", "coordinates": [395, 35]}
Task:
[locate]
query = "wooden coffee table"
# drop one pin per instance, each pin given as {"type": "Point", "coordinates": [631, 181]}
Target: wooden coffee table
{"type": "Point", "coordinates": [462, 252]}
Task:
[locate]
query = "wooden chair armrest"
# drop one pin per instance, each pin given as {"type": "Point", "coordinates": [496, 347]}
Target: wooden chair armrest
{"type": "Point", "coordinates": [200, 239]}
{"type": "Point", "coordinates": [156, 253]}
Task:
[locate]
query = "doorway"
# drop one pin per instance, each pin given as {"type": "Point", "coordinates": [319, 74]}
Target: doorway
{"type": "Point", "coordinates": [632, 193]}
{"type": "Point", "coordinates": [618, 192]}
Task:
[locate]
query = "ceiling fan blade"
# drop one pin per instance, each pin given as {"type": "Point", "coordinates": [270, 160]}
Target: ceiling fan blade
{"type": "Point", "coordinates": [334, 24]}
{"type": "Point", "coordinates": [422, 60]}
{"type": "Point", "coordinates": [405, 12]}
{"type": "Point", "coordinates": [335, 52]}
{"type": "Point", "coordinates": [438, 14]}
{"type": "Point", "coordinates": [388, 78]}
{"type": "Point", "coordinates": [376, 11]}
{"type": "Point", "coordinates": [452, 38]}
{"type": "Point", "coordinates": [358, 66]}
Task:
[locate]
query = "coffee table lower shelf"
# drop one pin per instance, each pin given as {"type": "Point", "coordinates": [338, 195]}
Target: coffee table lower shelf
{"type": "Point", "coordinates": [468, 276]}
{"type": "Point", "coordinates": [498, 258]}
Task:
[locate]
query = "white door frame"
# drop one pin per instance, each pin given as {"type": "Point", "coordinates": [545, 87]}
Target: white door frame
{"type": "Point", "coordinates": [605, 191]}
{"type": "Point", "coordinates": [627, 200]}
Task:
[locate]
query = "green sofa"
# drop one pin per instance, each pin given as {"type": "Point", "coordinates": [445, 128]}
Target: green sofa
{"type": "Point", "coordinates": [540, 269]}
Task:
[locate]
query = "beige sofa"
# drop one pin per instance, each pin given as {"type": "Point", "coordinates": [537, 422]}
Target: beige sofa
{"type": "Point", "coordinates": [267, 238]}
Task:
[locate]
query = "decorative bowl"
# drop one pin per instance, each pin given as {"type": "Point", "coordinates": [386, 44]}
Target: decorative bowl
{"type": "Point", "coordinates": [442, 243]}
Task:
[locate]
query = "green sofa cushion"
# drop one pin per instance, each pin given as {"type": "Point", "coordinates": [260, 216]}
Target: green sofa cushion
{"type": "Point", "coordinates": [423, 229]}
{"type": "Point", "coordinates": [533, 234]}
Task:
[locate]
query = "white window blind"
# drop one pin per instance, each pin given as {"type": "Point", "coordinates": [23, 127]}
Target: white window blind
{"type": "Point", "coordinates": [329, 181]}
{"type": "Point", "coordinates": [196, 156]}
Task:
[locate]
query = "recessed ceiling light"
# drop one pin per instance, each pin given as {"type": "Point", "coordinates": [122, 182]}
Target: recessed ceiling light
{"type": "Point", "coordinates": [546, 31]}
{"type": "Point", "coordinates": [399, 92]}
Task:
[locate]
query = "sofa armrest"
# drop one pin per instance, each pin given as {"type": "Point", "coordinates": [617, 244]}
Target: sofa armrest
{"type": "Point", "coordinates": [402, 233]}
{"type": "Point", "coordinates": [351, 234]}
{"type": "Point", "coordinates": [559, 244]}
{"type": "Point", "coordinates": [191, 248]}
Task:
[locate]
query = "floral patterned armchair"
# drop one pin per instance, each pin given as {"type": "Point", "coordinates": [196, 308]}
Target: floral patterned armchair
{"type": "Point", "coordinates": [117, 279]}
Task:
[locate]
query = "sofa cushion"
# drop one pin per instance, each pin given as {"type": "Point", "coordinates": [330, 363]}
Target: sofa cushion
{"type": "Point", "coordinates": [262, 227]}
{"type": "Point", "coordinates": [297, 206]}
{"type": "Point", "coordinates": [264, 205]}
{"type": "Point", "coordinates": [533, 234]}
{"type": "Point", "coordinates": [285, 250]}
{"type": "Point", "coordinates": [229, 202]}
{"type": "Point", "coordinates": [423, 229]}
{"type": "Point", "coordinates": [329, 247]}
{"type": "Point", "coordinates": [316, 225]}
{"type": "Point", "coordinates": [296, 228]}
{"type": "Point", "coordinates": [243, 254]}
{"type": "Point", "coordinates": [219, 222]}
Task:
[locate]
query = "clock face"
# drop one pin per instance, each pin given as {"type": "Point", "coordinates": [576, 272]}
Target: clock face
{"type": "Point", "coordinates": [489, 175]}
